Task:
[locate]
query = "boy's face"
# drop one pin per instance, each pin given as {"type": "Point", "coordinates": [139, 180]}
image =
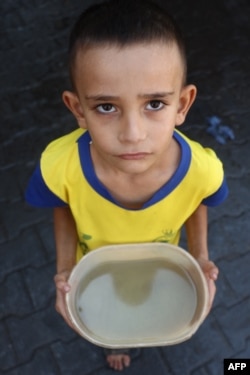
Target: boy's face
{"type": "Point", "coordinates": [130, 99]}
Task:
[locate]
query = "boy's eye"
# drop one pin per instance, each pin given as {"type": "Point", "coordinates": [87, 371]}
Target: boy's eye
{"type": "Point", "coordinates": [155, 105]}
{"type": "Point", "coordinates": [105, 108]}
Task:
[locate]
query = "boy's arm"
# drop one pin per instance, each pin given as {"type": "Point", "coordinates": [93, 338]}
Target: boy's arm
{"type": "Point", "coordinates": [196, 228]}
{"type": "Point", "coordinates": [66, 243]}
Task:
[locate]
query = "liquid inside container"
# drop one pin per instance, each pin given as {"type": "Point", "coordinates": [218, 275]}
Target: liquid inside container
{"type": "Point", "coordinates": [131, 300]}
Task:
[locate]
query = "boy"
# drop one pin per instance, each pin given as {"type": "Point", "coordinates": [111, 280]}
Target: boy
{"type": "Point", "coordinates": [127, 175]}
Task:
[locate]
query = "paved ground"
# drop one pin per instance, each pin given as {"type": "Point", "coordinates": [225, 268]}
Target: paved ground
{"type": "Point", "coordinates": [33, 338]}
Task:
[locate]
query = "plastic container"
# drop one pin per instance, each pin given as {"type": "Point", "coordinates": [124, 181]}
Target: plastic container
{"type": "Point", "coordinates": [137, 295]}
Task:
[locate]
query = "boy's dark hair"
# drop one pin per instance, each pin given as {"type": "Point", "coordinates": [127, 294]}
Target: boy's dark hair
{"type": "Point", "coordinates": [124, 22]}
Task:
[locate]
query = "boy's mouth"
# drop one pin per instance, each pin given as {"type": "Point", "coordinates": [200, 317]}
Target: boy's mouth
{"type": "Point", "coordinates": [133, 156]}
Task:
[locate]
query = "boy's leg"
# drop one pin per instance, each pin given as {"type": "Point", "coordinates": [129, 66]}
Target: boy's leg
{"type": "Point", "coordinates": [118, 358]}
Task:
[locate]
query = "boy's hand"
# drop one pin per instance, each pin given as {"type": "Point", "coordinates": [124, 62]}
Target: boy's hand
{"type": "Point", "coordinates": [211, 273]}
{"type": "Point", "coordinates": [209, 268]}
{"type": "Point", "coordinates": [62, 287]}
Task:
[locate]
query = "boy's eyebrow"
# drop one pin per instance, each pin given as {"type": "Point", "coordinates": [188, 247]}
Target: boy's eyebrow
{"type": "Point", "coordinates": [101, 97]}
{"type": "Point", "coordinates": [153, 95]}
{"type": "Point", "coordinates": [156, 95]}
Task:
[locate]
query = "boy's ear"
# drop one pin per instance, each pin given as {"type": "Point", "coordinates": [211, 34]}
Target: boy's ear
{"type": "Point", "coordinates": [72, 102]}
{"type": "Point", "coordinates": [187, 97]}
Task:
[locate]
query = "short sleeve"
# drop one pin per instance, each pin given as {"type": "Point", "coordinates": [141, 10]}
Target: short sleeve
{"type": "Point", "coordinates": [38, 194]}
{"type": "Point", "coordinates": [218, 197]}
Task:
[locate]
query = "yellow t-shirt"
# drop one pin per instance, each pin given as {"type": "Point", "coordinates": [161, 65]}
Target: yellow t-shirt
{"type": "Point", "coordinates": [66, 176]}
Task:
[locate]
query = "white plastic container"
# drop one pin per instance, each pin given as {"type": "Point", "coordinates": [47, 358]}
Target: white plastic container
{"type": "Point", "coordinates": [137, 295]}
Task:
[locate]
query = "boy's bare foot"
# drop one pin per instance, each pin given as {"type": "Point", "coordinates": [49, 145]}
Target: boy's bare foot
{"type": "Point", "coordinates": [118, 361]}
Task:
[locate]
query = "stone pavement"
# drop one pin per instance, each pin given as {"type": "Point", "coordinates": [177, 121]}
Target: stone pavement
{"type": "Point", "coordinates": [33, 337]}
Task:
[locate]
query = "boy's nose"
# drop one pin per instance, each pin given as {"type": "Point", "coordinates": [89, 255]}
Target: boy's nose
{"type": "Point", "coordinates": [132, 129]}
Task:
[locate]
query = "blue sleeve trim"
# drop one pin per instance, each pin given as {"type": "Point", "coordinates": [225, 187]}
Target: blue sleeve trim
{"type": "Point", "coordinates": [218, 197]}
{"type": "Point", "coordinates": [39, 195]}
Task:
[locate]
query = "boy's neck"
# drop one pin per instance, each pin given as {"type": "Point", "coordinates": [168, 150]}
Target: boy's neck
{"type": "Point", "coordinates": [132, 191]}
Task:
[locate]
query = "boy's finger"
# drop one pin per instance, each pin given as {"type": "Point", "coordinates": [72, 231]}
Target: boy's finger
{"type": "Point", "coordinates": [210, 270]}
{"type": "Point", "coordinates": [61, 309]}
{"type": "Point", "coordinates": [63, 286]}
{"type": "Point", "coordinates": [61, 283]}
{"type": "Point", "coordinates": [212, 292]}
{"type": "Point", "coordinates": [213, 275]}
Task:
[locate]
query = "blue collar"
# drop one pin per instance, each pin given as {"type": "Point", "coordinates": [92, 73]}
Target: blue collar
{"type": "Point", "coordinates": [166, 189]}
